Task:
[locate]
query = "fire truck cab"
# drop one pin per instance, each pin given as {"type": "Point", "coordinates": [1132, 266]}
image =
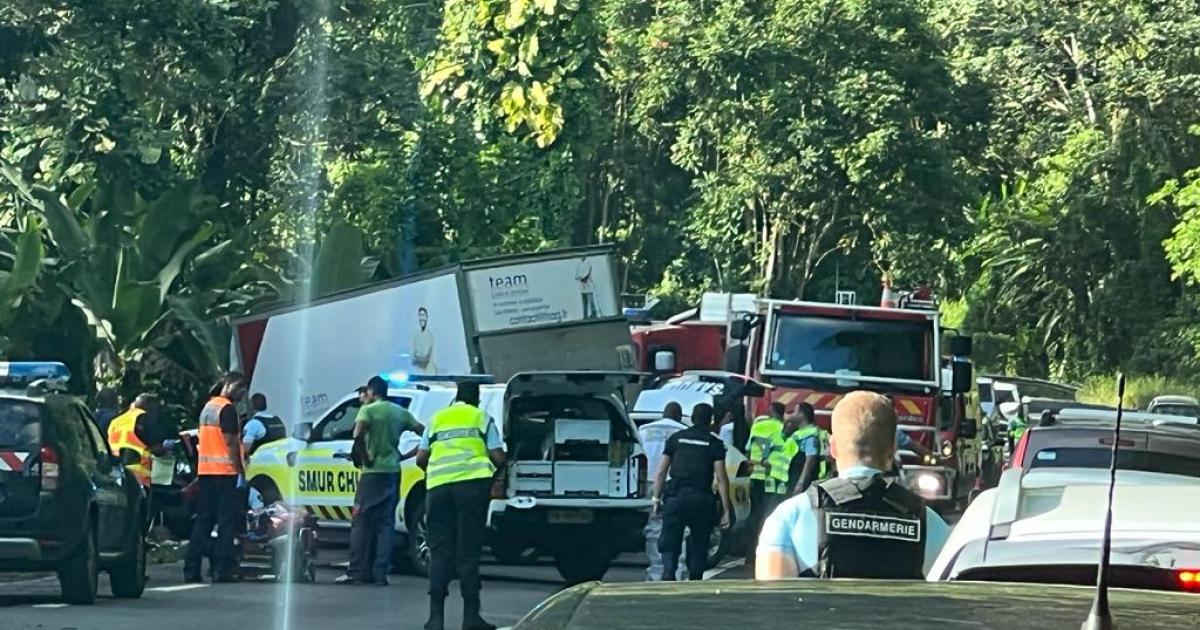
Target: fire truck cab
{"type": "Point", "coordinates": [817, 352]}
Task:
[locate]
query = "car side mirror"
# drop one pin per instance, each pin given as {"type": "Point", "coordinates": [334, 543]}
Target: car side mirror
{"type": "Point", "coordinates": [739, 329]}
{"type": "Point", "coordinates": [961, 377]}
{"type": "Point", "coordinates": [968, 429]}
{"type": "Point", "coordinates": [302, 431]}
{"type": "Point", "coordinates": [664, 361]}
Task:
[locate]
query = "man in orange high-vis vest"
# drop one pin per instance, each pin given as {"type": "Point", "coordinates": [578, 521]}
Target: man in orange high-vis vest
{"type": "Point", "coordinates": [221, 477]}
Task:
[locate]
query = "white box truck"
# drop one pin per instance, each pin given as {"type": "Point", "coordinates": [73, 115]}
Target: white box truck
{"type": "Point", "coordinates": [554, 310]}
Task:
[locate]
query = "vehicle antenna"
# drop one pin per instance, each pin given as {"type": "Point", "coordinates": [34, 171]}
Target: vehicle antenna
{"type": "Point", "coordinates": [1100, 618]}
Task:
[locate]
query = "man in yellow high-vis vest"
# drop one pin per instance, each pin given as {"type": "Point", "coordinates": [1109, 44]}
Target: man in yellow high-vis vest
{"type": "Point", "coordinates": [460, 452]}
{"type": "Point", "coordinates": [770, 459]}
{"type": "Point", "coordinates": [131, 431]}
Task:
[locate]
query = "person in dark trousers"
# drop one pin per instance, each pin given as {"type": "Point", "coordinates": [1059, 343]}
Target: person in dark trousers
{"type": "Point", "coordinates": [379, 423]}
{"type": "Point", "coordinates": [222, 477]}
{"type": "Point", "coordinates": [460, 452]}
{"type": "Point", "coordinates": [693, 458]}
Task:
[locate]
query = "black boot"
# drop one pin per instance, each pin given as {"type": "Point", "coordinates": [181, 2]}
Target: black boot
{"type": "Point", "coordinates": [437, 613]}
{"type": "Point", "coordinates": [471, 618]}
{"type": "Point", "coordinates": [670, 563]}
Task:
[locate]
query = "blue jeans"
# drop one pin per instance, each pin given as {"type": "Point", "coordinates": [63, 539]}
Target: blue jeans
{"type": "Point", "coordinates": [373, 525]}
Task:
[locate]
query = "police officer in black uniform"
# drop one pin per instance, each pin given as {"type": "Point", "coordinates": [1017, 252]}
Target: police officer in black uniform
{"type": "Point", "coordinates": [868, 524]}
{"type": "Point", "coordinates": [692, 457]}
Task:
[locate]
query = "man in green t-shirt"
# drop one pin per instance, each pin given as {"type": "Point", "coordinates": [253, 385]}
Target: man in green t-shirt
{"type": "Point", "coordinates": [378, 424]}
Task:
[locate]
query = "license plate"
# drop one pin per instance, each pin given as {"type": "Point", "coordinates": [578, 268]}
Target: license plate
{"type": "Point", "coordinates": [569, 517]}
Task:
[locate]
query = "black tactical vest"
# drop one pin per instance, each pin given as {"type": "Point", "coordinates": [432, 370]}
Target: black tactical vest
{"type": "Point", "coordinates": [275, 431]}
{"type": "Point", "coordinates": [869, 528]}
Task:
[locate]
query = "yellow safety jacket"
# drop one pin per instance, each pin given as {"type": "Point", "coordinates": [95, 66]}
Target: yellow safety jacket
{"type": "Point", "coordinates": [122, 434]}
{"type": "Point", "coordinates": [768, 444]}
{"type": "Point", "coordinates": [458, 446]}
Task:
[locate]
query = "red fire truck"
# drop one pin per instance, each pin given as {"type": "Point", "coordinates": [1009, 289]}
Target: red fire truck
{"type": "Point", "coordinates": [817, 352]}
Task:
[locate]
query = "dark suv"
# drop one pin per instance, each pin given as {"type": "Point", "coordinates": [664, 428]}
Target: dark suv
{"type": "Point", "coordinates": [66, 504]}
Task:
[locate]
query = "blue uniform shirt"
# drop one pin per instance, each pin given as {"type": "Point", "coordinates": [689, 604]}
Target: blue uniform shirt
{"type": "Point", "coordinates": [792, 528]}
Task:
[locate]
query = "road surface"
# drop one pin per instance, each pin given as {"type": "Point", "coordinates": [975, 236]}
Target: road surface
{"type": "Point", "coordinates": [32, 602]}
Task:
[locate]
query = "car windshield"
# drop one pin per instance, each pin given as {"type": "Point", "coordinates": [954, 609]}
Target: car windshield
{"type": "Point", "coordinates": [20, 425]}
{"type": "Point", "coordinates": [824, 345]}
{"type": "Point", "coordinates": [1005, 396]}
{"type": "Point", "coordinates": [1100, 457]}
{"type": "Point", "coordinates": [1178, 410]}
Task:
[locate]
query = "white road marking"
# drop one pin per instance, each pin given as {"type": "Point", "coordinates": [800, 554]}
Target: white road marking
{"type": "Point", "coordinates": [723, 567]}
{"type": "Point", "coordinates": [178, 587]}
{"type": "Point", "coordinates": [50, 605]}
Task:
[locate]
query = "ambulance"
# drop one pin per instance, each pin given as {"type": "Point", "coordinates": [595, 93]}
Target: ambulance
{"type": "Point", "coordinates": [312, 468]}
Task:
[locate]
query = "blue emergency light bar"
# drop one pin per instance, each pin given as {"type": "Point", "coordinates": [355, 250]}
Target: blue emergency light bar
{"type": "Point", "coordinates": [400, 378]}
{"type": "Point", "coordinates": [22, 373]}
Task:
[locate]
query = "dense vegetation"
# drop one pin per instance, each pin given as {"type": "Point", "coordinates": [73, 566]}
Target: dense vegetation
{"type": "Point", "coordinates": [167, 163]}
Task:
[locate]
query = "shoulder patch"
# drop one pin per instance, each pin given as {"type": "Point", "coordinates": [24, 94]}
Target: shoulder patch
{"type": "Point", "coordinates": [873, 526]}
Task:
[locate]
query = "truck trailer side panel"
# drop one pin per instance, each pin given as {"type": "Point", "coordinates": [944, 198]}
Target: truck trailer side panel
{"type": "Point", "coordinates": [305, 359]}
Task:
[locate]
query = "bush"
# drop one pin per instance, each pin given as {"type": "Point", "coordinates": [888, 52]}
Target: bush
{"type": "Point", "coordinates": [1139, 390]}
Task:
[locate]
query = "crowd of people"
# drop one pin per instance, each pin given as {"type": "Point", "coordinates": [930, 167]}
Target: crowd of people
{"type": "Point", "coordinates": [822, 504]}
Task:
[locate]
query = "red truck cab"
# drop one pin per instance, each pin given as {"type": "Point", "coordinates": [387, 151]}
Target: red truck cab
{"type": "Point", "coordinates": [817, 352]}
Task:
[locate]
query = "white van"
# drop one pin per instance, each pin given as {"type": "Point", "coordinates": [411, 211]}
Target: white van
{"type": "Point", "coordinates": [574, 480]}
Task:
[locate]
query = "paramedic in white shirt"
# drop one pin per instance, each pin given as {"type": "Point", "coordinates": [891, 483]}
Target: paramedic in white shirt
{"type": "Point", "coordinates": [654, 437]}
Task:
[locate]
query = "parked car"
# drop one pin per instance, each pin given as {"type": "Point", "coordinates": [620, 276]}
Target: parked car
{"type": "Point", "coordinates": [848, 605]}
{"type": "Point", "coordinates": [1082, 438]}
{"type": "Point", "coordinates": [1175, 405]}
{"type": "Point", "coordinates": [66, 503]}
{"type": "Point", "coordinates": [1045, 526]}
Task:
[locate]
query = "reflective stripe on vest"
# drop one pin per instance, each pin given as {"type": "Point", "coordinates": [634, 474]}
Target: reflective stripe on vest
{"type": "Point", "coordinates": [767, 443]}
{"type": "Point", "coordinates": [215, 458]}
{"type": "Point", "coordinates": [122, 434]}
{"type": "Point", "coordinates": [457, 446]}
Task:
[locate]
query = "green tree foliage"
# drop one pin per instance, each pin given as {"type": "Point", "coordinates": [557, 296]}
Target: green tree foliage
{"type": "Point", "coordinates": [169, 164]}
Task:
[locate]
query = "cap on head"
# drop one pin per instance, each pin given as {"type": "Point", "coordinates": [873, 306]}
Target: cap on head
{"type": "Point", "coordinates": [468, 392]}
{"type": "Point", "coordinates": [864, 429]}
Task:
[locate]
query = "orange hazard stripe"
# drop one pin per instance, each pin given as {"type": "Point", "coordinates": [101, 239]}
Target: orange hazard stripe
{"type": "Point", "coordinates": [787, 397]}
{"type": "Point", "coordinates": [910, 406]}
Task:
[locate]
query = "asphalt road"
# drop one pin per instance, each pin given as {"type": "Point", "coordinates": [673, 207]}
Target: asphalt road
{"type": "Point", "coordinates": [32, 602]}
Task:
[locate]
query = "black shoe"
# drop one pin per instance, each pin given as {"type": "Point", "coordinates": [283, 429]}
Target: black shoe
{"type": "Point", "coordinates": [228, 578]}
{"type": "Point", "coordinates": [193, 579]}
{"type": "Point", "coordinates": [437, 614]}
{"type": "Point", "coordinates": [471, 618]}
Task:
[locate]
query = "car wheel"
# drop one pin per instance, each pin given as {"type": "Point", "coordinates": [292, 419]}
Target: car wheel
{"type": "Point", "coordinates": [718, 546]}
{"type": "Point", "coordinates": [267, 488]}
{"type": "Point", "coordinates": [128, 576]}
{"type": "Point", "coordinates": [418, 538]}
{"type": "Point", "coordinates": [583, 564]}
{"type": "Point", "coordinates": [79, 573]}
